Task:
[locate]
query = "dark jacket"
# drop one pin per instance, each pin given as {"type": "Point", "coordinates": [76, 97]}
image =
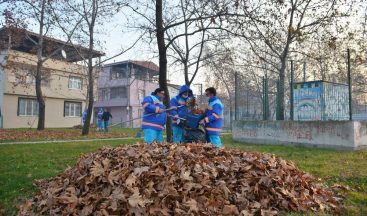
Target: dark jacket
{"type": "Point", "coordinates": [106, 116]}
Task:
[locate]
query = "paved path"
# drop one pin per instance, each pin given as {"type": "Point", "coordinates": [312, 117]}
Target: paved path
{"type": "Point", "coordinates": [78, 140]}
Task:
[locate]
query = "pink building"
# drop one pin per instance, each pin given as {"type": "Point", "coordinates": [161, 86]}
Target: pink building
{"type": "Point", "coordinates": [122, 87]}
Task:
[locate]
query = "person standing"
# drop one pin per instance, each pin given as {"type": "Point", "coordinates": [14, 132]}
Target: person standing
{"type": "Point", "coordinates": [100, 122]}
{"type": "Point", "coordinates": [106, 117]}
{"type": "Point", "coordinates": [155, 116]}
{"type": "Point", "coordinates": [84, 115]}
{"type": "Point", "coordinates": [214, 117]}
{"type": "Point", "coordinates": [179, 110]}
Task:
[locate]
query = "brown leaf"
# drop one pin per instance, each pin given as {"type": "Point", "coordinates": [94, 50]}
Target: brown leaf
{"type": "Point", "coordinates": [192, 204]}
{"type": "Point", "coordinates": [186, 175]}
{"type": "Point", "coordinates": [139, 170]}
{"type": "Point", "coordinates": [136, 199]}
{"type": "Point", "coordinates": [230, 210]}
{"type": "Point", "coordinates": [130, 181]}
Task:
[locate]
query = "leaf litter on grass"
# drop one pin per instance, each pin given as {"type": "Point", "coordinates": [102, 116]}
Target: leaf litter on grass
{"type": "Point", "coordinates": [190, 179]}
{"type": "Point", "coordinates": [53, 134]}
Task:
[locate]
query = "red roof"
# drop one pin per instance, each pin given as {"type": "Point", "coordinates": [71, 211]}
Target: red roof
{"type": "Point", "coordinates": [147, 64]}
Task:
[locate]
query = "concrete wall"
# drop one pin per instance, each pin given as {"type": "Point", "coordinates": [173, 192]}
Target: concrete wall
{"type": "Point", "coordinates": [54, 114]}
{"type": "Point", "coordinates": [328, 134]}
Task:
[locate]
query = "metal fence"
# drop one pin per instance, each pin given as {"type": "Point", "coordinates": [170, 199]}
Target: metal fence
{"type": "Point", "coordinates": [305, 101]}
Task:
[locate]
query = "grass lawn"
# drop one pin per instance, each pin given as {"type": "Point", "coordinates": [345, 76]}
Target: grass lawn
{"type": "Point", "coordinates": [26, 134]}
{"type": "Point", "coordinates": [21, 164]}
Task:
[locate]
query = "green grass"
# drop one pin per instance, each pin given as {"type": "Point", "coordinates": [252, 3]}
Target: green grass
{"type": "Point", "coordinates": [20, 165]}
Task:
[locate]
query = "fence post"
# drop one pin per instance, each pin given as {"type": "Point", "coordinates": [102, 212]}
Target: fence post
{"type": "Point", "coordinates": [350, 87]}
{"type": "Point", "coordinates": [266, 98]}
{"type": "Point", "coordinates": [291, 90]}
{"type": "Point", "coordinates": [236, 96]}
{"type": "Point", "coordinates": [304, 71]}
{"type": "Point", "coordinates": [277, 97]}
{"type": "Point", "coordinates": [263, 91]}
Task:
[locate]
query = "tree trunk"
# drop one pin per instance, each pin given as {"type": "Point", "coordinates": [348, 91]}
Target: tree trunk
{"type": "Point", "coordinates": [280, 110]}
{"type": "Point", "coordinates": [86, 125]}
{"type": "Point", "coordinates": [163, 61]}
{"type": "Point", "coordinates": [186, 71]}
{"type": "Point", "coordinates": [38, 76]}
{"type": "Point", "coordinates": [40, 99]}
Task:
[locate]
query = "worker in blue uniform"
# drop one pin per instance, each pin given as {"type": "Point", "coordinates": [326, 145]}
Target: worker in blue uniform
{"type": "Point", "coordinates": [214, 117]}
{"type": "Point", "coordinates": [179, 111]}
{"type": "Point", "coordinates": [155, 116]}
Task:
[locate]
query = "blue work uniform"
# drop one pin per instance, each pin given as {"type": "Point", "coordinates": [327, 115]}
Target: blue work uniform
{"type": "Point", "coordinates": [153, 121]}
{"type": "Point", "coordinates": [214, 121]}
{"type": "Point", "coordinates": [179, 102]}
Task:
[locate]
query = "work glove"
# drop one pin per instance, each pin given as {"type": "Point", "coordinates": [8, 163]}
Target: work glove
{"type": "Point", "coordinates": [161, 110]}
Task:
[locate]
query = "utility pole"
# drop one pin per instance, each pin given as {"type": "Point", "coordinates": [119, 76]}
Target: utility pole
{"type": "Point", "coordinates": [264, 115]}
{"type": "Point", "coordinates": [350, 87]}
{"type": "Point", "coordinates": [291, 91]}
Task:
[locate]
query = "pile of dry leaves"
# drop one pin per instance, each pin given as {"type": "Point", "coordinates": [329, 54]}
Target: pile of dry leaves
{"type": "Point", "coordinates": [187, 179]}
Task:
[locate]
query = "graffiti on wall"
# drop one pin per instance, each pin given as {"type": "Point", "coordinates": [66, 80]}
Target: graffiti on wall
{"type": "Point", "coordinates": [293, 131]}
{"type": "Point", "coordinates": [307, 101]}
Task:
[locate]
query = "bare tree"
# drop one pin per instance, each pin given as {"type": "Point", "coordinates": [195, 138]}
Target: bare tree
{"type": "Point", "coordinates": [44, 14]}
{"type": "Point", "coordinates": [94, 13]}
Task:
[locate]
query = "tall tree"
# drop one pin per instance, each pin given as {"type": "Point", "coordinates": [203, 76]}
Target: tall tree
{"type": "Point", "coordinates": [94, 14]}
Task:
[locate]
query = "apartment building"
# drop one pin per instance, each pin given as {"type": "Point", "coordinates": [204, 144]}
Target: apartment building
{"type": "Point", "coordinates": [63, 83]}
{"type": "Point", "coordinates": [122, 87]}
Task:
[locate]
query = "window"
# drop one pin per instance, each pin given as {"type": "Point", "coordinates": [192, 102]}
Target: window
{"type": "Point", "coordinates": [75, 82]}
{"type": "Point", "coordinates": [118, 73]}
{"type": "Point", "coordinates": [119, 92]}
{"type": "Point", "coordinates": [103, 95]}
{"type": "Point", "coordinates": [27, 107]}
{"type": "Point", "coordinates": [29, 79]}
{"type": "Point", "coordinates": [141, 94]}
{"type": "Point", "coordinates": [72, 109]}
